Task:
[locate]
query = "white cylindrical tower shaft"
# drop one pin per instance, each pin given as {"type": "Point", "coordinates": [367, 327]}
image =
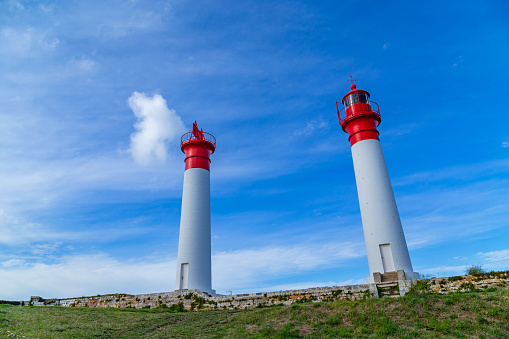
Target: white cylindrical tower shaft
{"type": "Point", "coordinates": [194, 251]}
{"type": "Point", "coordinates": [383, 233]}
{"type": "Point", "coordinates": [194, 261]}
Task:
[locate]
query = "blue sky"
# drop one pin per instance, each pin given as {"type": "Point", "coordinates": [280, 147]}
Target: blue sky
{"type": "Point", "coordinates": [94, 96]}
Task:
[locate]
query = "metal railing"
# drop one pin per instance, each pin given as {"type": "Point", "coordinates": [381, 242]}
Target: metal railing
{"type": "Point", "coordinates": [342, 112]}
{"type": "Point", "coordinates": [189, 136]}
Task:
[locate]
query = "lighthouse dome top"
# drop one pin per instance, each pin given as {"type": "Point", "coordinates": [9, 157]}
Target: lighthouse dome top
{"type": "Point", "coordinates": [355, 95]}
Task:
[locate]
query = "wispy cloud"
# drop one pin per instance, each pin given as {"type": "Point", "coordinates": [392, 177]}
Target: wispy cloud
{"type": "Point", "coordinates": [443, 271]}
{"type": "Point", "coordinates": [458, 212]}
{"type": "Point", "coordinates": [505, 144]}
{"type": "Point", "coordinates": [81, 275]}
{"type": "Point", "coordinates": [494, 256]}
{"type": "Point", "coordinates": [495, 260]}
{"type": "Point", "coordinates": [460, 172]}
{"type": "Point", "coordinates": [156, 127]}
{"type": "Point", "coordinates": [26, 42]}
{"type": "Point", "coordinates": [41, 240]}
{"type": "Point", "coordinates": [251, 267]}
{"type": "Point", "coordinates": [13, 263]}
{"type": "Point", "coordinates": [15, 5]}
{"type": "Point", "coordinates": [311, 127]}
{"type": "Point", "coordinates": [246, 270]}
{"type": "Point", "coordinates": [14, 232]}
{"type": "Point", "coordinates": [42, 185]}
{"type": "Point", "coordinates": [84, 63]}
{"type": "Point", "coordinates": [399, 131]}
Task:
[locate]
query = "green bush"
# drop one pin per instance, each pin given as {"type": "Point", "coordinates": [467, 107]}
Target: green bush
{"type": "Point", "coordinates": [474, 270]}
{"type": "Point", "coordinates": [419, 287]}
{"type": "Point", "coordinates": [177, 307]}
{"type": "Point", "coordinates": [468, 287]}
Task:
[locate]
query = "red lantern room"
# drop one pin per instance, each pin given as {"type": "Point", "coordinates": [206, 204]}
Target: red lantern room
{"type": "Point", "coordinates": [359, 117]}
{"type": "Point", "coordinates": [198, 146]}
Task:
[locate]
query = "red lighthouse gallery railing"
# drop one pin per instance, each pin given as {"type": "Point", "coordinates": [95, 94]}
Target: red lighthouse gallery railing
{"type": "Point", "coordinates": [197, 135]}
{"type": "Point", "coordinates": [368, 107]}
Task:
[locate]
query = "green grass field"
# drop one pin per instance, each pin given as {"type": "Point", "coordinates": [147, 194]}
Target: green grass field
{"type": "Point", "coordinates": [478, 315]}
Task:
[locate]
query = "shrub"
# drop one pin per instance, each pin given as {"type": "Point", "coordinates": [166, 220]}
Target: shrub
{"type": "Point", "coordinates": [283, 297]}
{"type": "Point", "coordinates": [474, 270]}
{"type": "Point", "coordinates": [177, 307]}
{"type": "Point", "coordinates": [420, 287]}
{"type": "Point", "coordinates": [468, 287]}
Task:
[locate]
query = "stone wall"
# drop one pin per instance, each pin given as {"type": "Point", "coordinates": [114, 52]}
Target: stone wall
{"type": "Point", "coordinates": [469, 283]}
{"type": "Point", "coordinates": [196, 300]}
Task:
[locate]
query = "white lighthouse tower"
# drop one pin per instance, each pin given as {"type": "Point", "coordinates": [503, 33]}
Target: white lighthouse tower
{"type": "Point", "coordinates": [194, 253]}
{"type": "Point", "coordinates": [386, 246]}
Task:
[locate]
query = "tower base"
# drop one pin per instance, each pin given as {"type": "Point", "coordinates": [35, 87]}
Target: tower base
{"type": "Point", "coordinates": [378, 277]}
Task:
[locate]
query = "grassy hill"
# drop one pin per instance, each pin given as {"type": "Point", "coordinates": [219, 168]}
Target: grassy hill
{"type": "Point", "coordinates": [479, 315]}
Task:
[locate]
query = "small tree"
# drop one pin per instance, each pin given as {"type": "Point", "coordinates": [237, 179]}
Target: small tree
{"type": "Point", "coordinates": [474, 270]}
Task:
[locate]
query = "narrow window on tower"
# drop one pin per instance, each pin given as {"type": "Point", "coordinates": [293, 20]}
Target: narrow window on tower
{"type": "Point", "coordinates": [363, 97]}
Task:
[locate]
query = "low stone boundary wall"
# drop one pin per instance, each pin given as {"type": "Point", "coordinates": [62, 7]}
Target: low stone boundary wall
{"type": "Point", "coordinates": [194, 300]}
{"type": "Point", "coordinates": [197, 300]}
{"type": "Point", "coordinates": [469, 283]}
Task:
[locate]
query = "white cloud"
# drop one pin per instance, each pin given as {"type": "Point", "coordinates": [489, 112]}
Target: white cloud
{"type": "Point", "coordinates": [14, 4]}
{"type": "Point", "coordinates": [443, 271]}
{"type": "Point", "coordinates": [494, 256]}
{"type": "Point", "coordinates": [251, 267]}
{"type": "Point", "coordinates": [156, 127]}
{"type": "Point", "coordinates": [45, 249]}
{"type": "Point", "coordinates": [82, 275]}
{"type": "Point", "coordinates": [14, 232]}
{"type": "Point", "coordinates": [13, 263]}
{"type": "Point", "coordinates": [451, 219]}
{"type": "Point", "coordinates": [47, 8]}
{"type": "Point", "coordinates": [91, 274]}
{"type": "Point", "coordinates": [84, 63]}
{"type": "Point", "coordinates": [505, 144]}
{"type": "Point", "coordinates": [44, 241]}
{"type": "Point", "coordinates": [400, 130]}
{"type": "Point", "coordinates": [36, 184]}
{"type": "Point", "coordinates": [311, 127]}
{"type": "Point", "coordinates": [496, 260]}
{"type": "Point", "coordinates": [26, 42]}
{"type": "Point", "coordinates": [52, 43]}
{"type": "Point", "coordinates": [16, 41]}
{"type": "Point", "coordinates": [461, 172]}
